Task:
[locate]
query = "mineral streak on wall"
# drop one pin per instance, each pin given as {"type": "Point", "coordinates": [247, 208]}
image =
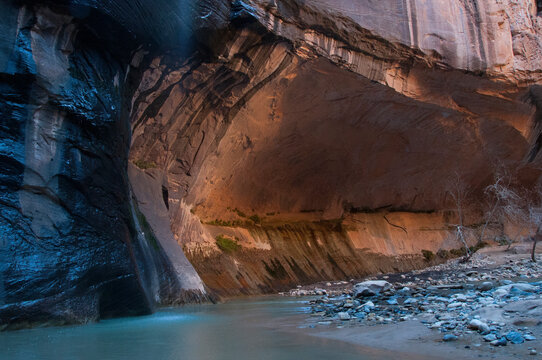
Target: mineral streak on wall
{"type": "Point", "coordinates": [275, 142]}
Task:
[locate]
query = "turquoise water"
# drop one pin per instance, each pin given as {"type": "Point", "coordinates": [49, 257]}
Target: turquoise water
{"type": "Point", "coordinates": [259, 329]}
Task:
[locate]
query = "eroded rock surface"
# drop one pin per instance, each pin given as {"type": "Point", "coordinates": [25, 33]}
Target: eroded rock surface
{"type": "Point", "coordinates": [310, 111]}
{"type": "Point", "coordinates": [277, 141]}
{"type": "Point", "coordinates": [70, 246]}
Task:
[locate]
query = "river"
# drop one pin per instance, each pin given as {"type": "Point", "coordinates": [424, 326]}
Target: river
{"type": "Point", "coordinates": [260, 329]}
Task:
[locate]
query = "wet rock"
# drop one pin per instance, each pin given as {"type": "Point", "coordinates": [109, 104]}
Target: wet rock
{"type": "Point", "coordinates": [371, 288]}
{"type": "Point", "coordinates": [70, 249]}
{"type": "Point", "coordinates": [514, 337]}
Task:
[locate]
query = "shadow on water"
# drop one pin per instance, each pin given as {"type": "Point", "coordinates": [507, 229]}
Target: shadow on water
{"type": "Point", "coordinates": [265, 329]}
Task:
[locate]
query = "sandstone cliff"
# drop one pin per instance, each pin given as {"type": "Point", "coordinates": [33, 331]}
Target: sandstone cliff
{"type": "Point", "coordinates": [311, 111]}
{"type": "Point", "coordinates": [317, 137]}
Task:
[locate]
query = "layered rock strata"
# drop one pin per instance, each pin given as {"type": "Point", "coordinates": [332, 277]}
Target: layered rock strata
{"type": "Point", "coordinates": [276, 142]}
{"type": "Point", "coordinates": [319, 112]}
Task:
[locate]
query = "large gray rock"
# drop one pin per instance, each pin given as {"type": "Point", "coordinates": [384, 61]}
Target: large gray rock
{"type": "Point", "coordinates": [370, 288]}
{"type": "Point", "coordinates": [479, 325]}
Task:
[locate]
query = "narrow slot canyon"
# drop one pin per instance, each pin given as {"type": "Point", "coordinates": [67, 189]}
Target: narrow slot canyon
{"type": "Point", "coordinates": [159, 154]}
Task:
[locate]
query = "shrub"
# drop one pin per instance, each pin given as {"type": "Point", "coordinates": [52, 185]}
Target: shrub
{"type": "Point", "coordinates": [428, 255]}
{"type": "Point", "coordinates": [226, 244]}
{"type": "Point", "coordinates": [256, 219]}
{"type": "Point", "coordinates": [143, 164]}
{"type": "Point", "coordinates": [239, 213]}
{"type": "Point", "coordinates": [224, 223]}
{"type": "Point", "coordinates": [477, 247]}
{"type": "Point", "coordinates": [502, 240]}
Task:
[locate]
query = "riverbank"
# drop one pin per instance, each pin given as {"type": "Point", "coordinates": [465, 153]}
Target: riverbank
{"type": "Point", "coordinates": [487, 307]}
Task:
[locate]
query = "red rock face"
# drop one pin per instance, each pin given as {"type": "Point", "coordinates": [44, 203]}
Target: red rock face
{"type": "Point", "coordinates": [324, 111]}
{"type": "Point", "coordinates": [277, 142]}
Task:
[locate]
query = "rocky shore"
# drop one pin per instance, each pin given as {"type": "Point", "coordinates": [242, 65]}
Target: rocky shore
{"type": "Point", "coordinates": [491, 301]}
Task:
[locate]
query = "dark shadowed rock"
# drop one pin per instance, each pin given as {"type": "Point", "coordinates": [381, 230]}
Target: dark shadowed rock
{"type": "Point", "coordinates": [315, 136]}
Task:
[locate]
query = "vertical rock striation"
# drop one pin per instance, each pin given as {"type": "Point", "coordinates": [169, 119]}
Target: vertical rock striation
{"type": "Point", "coordinates": [71, 248]}
{"type": "Point", "coordinates": [351, 118]}
{"type": "Point", "coordinates": [276, 141]}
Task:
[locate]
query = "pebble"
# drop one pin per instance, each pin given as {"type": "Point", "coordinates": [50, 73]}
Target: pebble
{"type": "Point", "coordinates": [501, 342]}
{"type": "Point", "coordinates": [449, 337]}
{"type": "Point", "coordinates": [490, 337]}
{"type": "Point", "coordinates": [455, 303]}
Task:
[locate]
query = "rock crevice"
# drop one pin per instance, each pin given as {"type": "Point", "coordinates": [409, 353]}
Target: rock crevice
{"type": "Point", "coordinates": [250, 125]}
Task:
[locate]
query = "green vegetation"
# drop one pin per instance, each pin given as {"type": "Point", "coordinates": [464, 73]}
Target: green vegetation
{"type": "Point", "coordinates": [477, 247]}
{"type": "Point", "coordinates": [256, 219]}
{"type": "Point", "coordinates": [239, 213]}
{"type": "Point", "coordinates": [218, 222]}
{"type": "Point", "coordinates": [462, 252]}
{"type": "Point", "coordinates": [226, 244]}
{"type": "Point", "coordinates": [443, 254]}
{"type": "Point", "coordinates": [428, 255]}
{"type": "Point", "coordinates": [458, 252]}
{"type": "Point", "coordinates": [143, 164]}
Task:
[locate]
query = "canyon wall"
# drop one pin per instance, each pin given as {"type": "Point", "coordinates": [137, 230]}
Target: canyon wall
{"type": "Point", "coordinates": [73, 247]}
{"type": "Point", "coordinates": [276, 142]}
{"type": "Point", "coordinates": [306, 112]}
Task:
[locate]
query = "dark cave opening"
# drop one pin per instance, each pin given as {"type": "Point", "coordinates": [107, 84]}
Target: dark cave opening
{"type": "Point", "coordinates": [165, 196]}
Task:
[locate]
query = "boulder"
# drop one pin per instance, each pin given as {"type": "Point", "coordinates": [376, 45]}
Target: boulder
{"type": "Point", "coordinates": [371, 288]}
{"type": "Point", "coordinates": [480, 326]}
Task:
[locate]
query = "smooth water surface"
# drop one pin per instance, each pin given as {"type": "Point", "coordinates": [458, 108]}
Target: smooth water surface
{"type": "Point", "coordinates": [249, 329]}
